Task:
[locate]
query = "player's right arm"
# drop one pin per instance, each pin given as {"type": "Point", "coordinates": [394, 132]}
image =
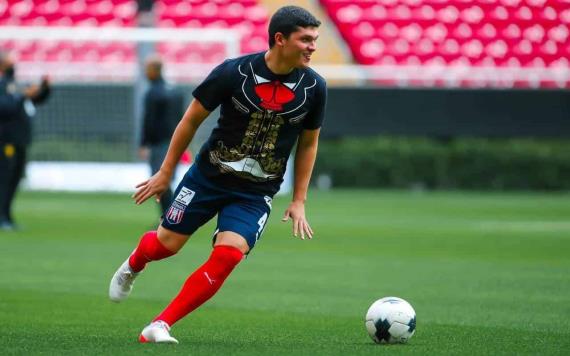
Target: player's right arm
{"type": "Point", "coordinates": [185, 131]}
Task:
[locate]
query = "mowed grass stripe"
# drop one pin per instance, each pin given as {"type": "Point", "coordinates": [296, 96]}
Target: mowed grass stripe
{"type": "Point", "coordinates": [73, 330]}
{"type": "Point", "coordinates": [491, 290]}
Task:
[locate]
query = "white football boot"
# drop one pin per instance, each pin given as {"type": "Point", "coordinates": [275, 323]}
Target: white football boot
{"type": "Point", "coordinates": [157, 331]}
{"type": "Point", "coordinates": [122, 282]}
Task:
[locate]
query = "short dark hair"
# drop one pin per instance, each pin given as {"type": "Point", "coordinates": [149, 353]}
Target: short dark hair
{"type": "Point", "coordinates": [287, 19]}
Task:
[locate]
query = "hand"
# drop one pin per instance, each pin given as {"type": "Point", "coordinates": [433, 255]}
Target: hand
{"type": "Point", "coordinates": [45, 82]}
{"type": "Point", "coordinates": [154, 186]}
{"type": "Point", "coordinates": [144, 153]}
{"type": "Point", "coordinates": [32, 91]}
{"type": "Point", "coordinates": [36, 91]}
{"type": "Point", "coordinates": [296, 211]}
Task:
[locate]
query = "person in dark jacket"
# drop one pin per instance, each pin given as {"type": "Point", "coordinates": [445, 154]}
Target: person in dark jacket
{"type": "Point", "coordinates": [9, 110]}
{"type": "Point", "coordinates": [163, 108]}
{"type": "Point", "coordinates": [16, 110]}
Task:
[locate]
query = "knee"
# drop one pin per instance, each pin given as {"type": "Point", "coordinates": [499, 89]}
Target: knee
{"type": "Point", "coordinates": [171, 240]}
{"type": "Point", "coordinates": [229, 238]}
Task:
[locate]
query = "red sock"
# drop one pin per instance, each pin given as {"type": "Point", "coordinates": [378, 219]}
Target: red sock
{"type": "Point", "coordinates": [202, 284]}
{"type": "Point", "coordinates": [149, 249]}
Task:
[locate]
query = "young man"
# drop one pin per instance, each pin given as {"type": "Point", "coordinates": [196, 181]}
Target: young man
{"type": "Point", "coordinates": [269, 101]}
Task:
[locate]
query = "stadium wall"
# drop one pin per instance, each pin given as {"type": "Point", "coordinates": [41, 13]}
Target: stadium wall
{"type": "Point", "coordinates": [448, 113]}
{"type": "Point", "coordinates": [84, 124]}
{"type": "Point", "coordinates": [96, 123]}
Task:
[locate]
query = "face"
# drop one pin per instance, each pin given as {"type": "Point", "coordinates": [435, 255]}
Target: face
{"type": "Point", "coordinates": [300, 46]}
{"type": "Point", "coordinates": [150, 72]}
{"type": "Point", "coordinates": [152, 69]}
{"type": "Point", "coordinates": [7, 66]}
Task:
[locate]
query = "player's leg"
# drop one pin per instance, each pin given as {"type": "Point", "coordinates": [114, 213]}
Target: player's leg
{"type": "Point", "coordinates": [193, 206]}
{"type": "Point", "coordinates": [199, 287]}
{"type": "Point", "coordinates": [153, 246]}
{"type": "Point", "coordinates": [232, 239]}
{"type": "Point", "coordinates": [240, 225]}
{"type": "Point", "coordinates": [203, 283]}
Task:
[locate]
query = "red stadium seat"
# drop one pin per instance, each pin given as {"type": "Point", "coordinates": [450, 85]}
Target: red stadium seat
{"type": "Point", "coordinates": [363, 30]}
{"type": "Point", "coordinates": [558, 33]}
{"type": "Point", "coordinates": [246, 16]}
{"type": "Point", "coordinates": [464, 33]}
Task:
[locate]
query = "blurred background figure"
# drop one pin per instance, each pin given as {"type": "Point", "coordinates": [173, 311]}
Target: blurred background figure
{"type": "Point", "coordinates": [163, 108]}
{"type": "Point", "coordinates": [15, 133]}
{"type": "Point", "coordinates": [9, 109]}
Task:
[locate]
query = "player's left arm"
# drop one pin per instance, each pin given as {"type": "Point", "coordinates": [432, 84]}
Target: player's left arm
{"type": "Point", "coordinates": [304, 162]}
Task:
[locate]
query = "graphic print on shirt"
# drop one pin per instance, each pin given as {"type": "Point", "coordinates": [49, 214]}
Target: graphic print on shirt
{"type": "Point", "coordinates": [273, 94]}
{"type": "Point", "coordinates": [254, 158]}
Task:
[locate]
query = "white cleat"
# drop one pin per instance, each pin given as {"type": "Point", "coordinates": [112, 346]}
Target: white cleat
{"type": "Point", "coordinates": [157, 331]}
{"type": "Point", "coordinates": [122, 282]}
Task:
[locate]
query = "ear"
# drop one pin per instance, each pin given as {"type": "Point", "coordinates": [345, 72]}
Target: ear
{"type": "Point", "coordinates": [279, 39]}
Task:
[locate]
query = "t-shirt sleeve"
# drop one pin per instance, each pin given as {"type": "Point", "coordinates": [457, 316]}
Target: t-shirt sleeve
{"type": "Point", "coordinates": [317, 114]}
{"type": "Point", "coordinates": [212, 91]}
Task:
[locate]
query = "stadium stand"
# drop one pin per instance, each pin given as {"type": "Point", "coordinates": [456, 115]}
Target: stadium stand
{"type": "Point", "coordinates": [245, 16]}
{"type": "Point", "coordinates": [484, 33]}
{"type": "Point", "coordinates": [469, 43]}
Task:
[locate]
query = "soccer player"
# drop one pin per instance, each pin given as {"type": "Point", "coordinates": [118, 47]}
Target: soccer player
{"type": "Point", "coordinates": [269, 101]}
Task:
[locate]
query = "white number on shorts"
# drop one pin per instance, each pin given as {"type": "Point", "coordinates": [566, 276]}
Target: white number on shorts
{"type": "Point", "coordinates": [262, 221]}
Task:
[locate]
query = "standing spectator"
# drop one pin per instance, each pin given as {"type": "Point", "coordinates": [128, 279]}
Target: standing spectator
{"type": "Point", "coordinates": [9, 110]}
{"type": "Point", "coordinates": [163, 108]}
{"type": "Point", "coordinates": [15, 133]}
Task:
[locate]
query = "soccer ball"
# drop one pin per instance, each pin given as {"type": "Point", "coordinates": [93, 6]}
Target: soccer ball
{"type": "Point", "coordinates": [391, 320]}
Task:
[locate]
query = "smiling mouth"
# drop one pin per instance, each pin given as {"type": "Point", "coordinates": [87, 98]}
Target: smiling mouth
{"type": "Point", "coordinates": [307, 57]}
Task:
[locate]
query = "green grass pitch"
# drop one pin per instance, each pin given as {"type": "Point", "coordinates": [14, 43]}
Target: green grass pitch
{"type": "Point", "coordinates": [487, 273]}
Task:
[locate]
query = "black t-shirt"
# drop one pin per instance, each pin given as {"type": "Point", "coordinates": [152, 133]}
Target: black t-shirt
{"type": "Point", "coordinates": [261, 117]}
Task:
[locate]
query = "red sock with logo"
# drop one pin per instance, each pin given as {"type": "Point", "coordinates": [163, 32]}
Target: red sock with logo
{"type": "Point", "coordinates": [202, 284]}
{"type": "Point", "coordinates": [149, 249]}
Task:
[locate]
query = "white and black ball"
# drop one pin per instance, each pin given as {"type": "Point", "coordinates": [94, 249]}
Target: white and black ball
{"type": "Point", "coordinates": [391, 320]}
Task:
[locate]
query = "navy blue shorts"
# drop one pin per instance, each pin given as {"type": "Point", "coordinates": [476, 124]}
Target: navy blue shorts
{"type": "Point", "coordinates": [196, 201]}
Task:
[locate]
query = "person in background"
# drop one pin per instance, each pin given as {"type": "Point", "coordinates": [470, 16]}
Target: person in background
{"type": "Point", "coordinates": [17, 109]}
{"type": "Point", "coordinates": [163, 108]}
